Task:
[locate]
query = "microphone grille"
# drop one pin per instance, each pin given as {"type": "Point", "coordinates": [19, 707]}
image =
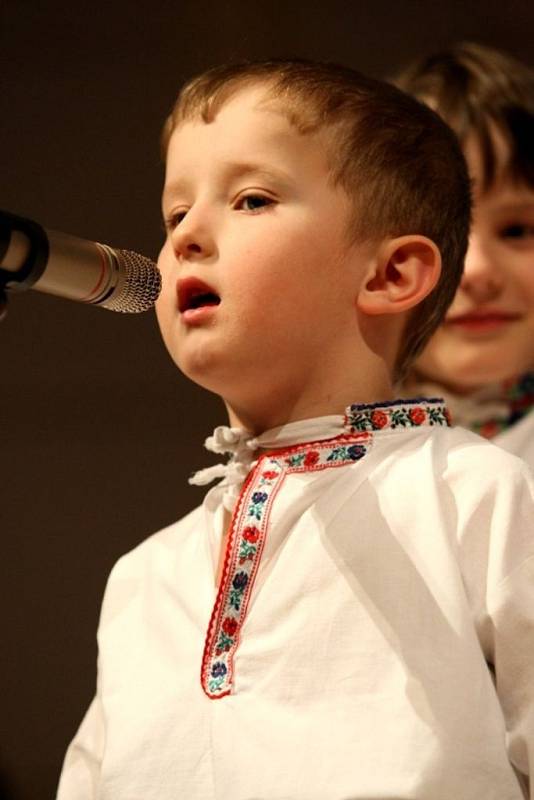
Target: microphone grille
{"type": "Point", "coordinates": [140, 287]}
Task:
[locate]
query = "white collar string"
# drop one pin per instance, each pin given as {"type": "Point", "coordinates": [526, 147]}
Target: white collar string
{"type": "Point", "coordinates": [243, 448]}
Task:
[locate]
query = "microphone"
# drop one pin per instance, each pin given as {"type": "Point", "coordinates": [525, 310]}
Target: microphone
{"type": "Point", "coordinates": [55, 263]}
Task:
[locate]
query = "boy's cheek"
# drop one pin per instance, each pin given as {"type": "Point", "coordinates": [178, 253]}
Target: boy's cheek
{"type": "Point", "coordinates": [166, 255]}
{"type": "Point", "coordinates": [163, 260]}
{"type": "Point", "coordinates": [168, 280]}
{"type": "Point", "coordinates": [166, 305]}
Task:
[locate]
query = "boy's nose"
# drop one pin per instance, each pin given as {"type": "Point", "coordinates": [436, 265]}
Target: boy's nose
{"type": "Point", "coordinates": [192, 240]}
{"type": "Point", "coordinates": [482, 277]}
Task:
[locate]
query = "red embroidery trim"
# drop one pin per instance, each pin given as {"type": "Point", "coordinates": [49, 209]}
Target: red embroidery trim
{"type": "Point", "coordinates": [246, 539]}
{"type": "Point", "coordinates": [238, 578]}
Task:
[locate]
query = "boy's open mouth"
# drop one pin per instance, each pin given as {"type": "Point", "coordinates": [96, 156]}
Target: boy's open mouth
{"type": "Point", "coordinates": [193, 293]}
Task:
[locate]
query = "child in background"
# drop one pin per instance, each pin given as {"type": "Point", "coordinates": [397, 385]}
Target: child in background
{"type": "Point", "coordinates": [482, 356]}
{"type": "Point", "coordinates": [348, 612]}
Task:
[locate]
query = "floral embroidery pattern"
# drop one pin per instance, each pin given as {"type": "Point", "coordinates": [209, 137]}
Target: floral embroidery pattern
{"type": "Point", "coordinates": [245, 544]}
{"type": "Point", "coordinates": [328, 454]}
{"type": "Point", "coordinates": [401, 414]}
{"type": "Point", "coordinates": [248, 545]}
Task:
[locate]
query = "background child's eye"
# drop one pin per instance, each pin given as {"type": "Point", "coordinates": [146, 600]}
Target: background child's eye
{"type": "Point", "coordinates": [253, 202]}
{"type": "Point", "coordinates": [518, 231]}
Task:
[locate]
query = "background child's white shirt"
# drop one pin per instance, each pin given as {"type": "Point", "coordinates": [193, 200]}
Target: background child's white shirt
{"type": "Point", "coordinates": [383, 587]}
{"type": "Point", "coordinates": [519, 439]}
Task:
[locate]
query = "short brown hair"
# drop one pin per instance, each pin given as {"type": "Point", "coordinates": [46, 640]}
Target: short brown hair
{"type": "Point", "coordinates": [400, 165]}
{"type": "Point", "coordinates": [475, 87]}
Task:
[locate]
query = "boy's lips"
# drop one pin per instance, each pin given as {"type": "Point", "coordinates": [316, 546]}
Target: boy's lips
{"type": "Point", "coordinates": [195, 298]}
{"type": "Point", "coordinates": [481, 320]}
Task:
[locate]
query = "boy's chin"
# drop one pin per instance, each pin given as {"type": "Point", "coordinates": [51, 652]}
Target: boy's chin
{"type": "Point", "coordinates": [467, 374]}
{"type": "Point", "coordinates": [206, 371]}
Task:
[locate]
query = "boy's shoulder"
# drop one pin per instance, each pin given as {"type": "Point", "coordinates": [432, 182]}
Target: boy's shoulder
{"type": "Point", "coordinates": [465, 463]}
{"type": "Point", "coordinates": [157, 550]}
{"type": "Point", "coordinates": [468, 450]}
{"type": "Point", "coordinates": [141, 574]}
{"type": "Point", "coordinates": [475, 470]}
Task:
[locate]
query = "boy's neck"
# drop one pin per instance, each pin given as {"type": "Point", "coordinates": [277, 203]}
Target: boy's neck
{"type": "Point", "coordinates": [272, 413]}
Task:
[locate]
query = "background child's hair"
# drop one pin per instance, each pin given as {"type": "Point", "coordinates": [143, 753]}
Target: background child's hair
{"type": "Point", "coordinates": [400, 165]}
{"type": "Point", "coordinates": [476, 88]}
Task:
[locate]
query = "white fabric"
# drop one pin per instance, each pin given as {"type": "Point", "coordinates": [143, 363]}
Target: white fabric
{"type": "Point", "coordinates": [384, 588]}
{"type": "Point", "coordinates": [519, 439]}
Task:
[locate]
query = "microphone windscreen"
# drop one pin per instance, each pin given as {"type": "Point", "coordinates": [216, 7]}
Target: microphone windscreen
{"type": "Point", "coordinates": [141, 284]}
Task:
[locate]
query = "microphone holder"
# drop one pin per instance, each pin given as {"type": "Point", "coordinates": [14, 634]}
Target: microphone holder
{"type": "Point", "coordinates": [33, 267]}
{"type": "Point", "coordinates": [35, 262]}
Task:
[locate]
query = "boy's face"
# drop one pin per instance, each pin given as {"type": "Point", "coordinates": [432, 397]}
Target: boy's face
{"type": "Point", "coordinates": [488, 333]}
{"type": "Point", "coordinates": [258, 276]}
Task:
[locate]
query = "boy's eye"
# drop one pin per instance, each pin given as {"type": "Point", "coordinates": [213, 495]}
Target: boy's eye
{"type": "Point", "coordinates": [173, 220]}
{"type": "Point", "coordinates": [253, 202]}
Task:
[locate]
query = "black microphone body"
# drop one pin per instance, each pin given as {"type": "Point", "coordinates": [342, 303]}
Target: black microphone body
{"type": "Point", "coordinates": [77, 269]}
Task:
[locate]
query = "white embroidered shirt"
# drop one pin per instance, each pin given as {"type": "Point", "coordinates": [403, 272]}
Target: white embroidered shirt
{"type": "Point", "coordinates": [372, 635]}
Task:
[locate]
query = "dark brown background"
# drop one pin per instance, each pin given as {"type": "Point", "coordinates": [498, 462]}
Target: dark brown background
{"type": "Point", "coordinates": [99, 431]}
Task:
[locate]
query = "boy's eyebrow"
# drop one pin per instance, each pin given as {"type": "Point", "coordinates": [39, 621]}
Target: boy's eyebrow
{"type": "Point", "coordinates": [230, 171]}
{"type": "Point", "coordinates": [240, 169]}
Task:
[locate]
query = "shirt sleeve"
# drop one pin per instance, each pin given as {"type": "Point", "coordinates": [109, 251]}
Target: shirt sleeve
{"type": "Point", "coordinates": [496, 529]}
{"type": "Point", "coordinates": [506, 624]}
{"type": "Point", "coordinates": [512, 612]}
{"type": "Point", "coordinates": [80, 775]}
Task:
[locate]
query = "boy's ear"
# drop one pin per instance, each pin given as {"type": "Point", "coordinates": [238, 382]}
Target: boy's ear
{"type": "Point", "coordinates": [404, 272]}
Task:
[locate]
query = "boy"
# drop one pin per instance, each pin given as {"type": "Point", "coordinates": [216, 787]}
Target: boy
{"type": "Point", "coordinates": [482, 357]}
{"type": "Point", "coordinates": [322, 626]}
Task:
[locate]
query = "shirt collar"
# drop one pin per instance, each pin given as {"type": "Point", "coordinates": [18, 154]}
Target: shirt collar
{"type": "Point", "coordinates": [243, 446]}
